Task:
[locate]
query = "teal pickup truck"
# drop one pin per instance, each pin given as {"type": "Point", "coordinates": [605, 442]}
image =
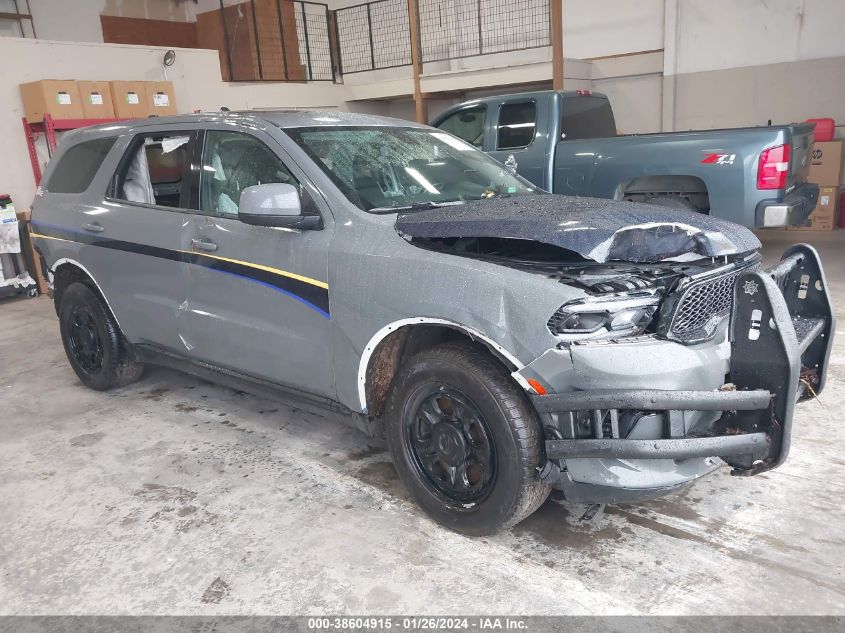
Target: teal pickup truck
{"type": "Point", "coordinates": [567, 143]}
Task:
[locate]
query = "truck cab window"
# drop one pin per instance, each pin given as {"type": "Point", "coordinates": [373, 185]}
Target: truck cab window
{"type": "Point", "coordinates": [467, 124]}
{"type": "Point", "coordinates": [517, 122]}
{"type": "Point", "coordinates": [587, 117]}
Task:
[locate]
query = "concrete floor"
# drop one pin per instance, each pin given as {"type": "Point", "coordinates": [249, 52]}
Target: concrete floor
{"type": "Point", "coordinates": [174, 496]}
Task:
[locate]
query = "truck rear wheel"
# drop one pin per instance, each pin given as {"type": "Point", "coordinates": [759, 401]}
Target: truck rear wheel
{"type": "Point", "coordinates": [465, 440]}
{"type": "Point", "coordinates": [97, 351]}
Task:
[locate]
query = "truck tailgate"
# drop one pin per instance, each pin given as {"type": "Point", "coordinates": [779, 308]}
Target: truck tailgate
{"type": "Point", "coordinates": [802, 145]}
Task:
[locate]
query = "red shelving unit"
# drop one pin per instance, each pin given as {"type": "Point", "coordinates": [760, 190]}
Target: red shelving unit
{"type": "Point", "coordinates": [49, 126]}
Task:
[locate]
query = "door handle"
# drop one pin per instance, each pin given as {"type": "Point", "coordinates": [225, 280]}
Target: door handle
{"type": "Point", "coordinates": [93, 227]}
{"type": "Point", "coordinates": [203, 245]}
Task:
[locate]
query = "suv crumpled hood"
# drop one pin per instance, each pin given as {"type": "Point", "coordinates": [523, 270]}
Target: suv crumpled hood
{"type": "Point", "coordinates": [594, 228]}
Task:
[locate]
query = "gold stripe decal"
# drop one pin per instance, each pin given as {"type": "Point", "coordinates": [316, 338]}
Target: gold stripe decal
{"type": "Point", "coordinates": [276, 271]}
{"type": "Point", "coordinates": [48, 237]}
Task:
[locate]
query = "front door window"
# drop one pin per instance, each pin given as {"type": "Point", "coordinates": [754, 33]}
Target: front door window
{"type": "Point", "coordinates": [231, 162]}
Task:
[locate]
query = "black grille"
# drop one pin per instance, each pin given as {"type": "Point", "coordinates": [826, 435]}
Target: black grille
{"type": "Point", "coordinates": [699, 302]}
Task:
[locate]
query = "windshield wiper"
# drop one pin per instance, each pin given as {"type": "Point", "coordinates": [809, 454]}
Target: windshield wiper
{"type": "Point", "coordinates": [414, 206]}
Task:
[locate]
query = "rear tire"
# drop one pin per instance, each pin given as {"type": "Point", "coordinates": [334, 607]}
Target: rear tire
{"type": "Point", "coordinates": [97, 351]}
{"type": "Point", "coordinates": [465, 440]}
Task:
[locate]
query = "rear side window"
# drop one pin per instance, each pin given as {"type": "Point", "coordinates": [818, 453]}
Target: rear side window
{"type": "Point", "coordinates": [587, 117]}
{"type": "Point", "coordinates": [154, 169]}
{"type": "Point", "coordinates": [516, 125]}
{"type": "Point", "coordinates": [467, 124]}
{"type": "Point", "coordinates": [78, 166]}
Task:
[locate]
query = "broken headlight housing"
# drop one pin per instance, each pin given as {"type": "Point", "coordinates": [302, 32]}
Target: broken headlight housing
{"type": "Point", "coordinates": [605, 317]}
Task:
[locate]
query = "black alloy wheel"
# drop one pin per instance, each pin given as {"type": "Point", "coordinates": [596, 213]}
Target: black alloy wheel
{"type": "Point", "coordinates": [95, 347]}
{"type": "Point", "coordinates": [84, 339]}
{"type": "Point", "coordinates": [465, 439]}
{"type": "Point", "coordinates": [451, 445]}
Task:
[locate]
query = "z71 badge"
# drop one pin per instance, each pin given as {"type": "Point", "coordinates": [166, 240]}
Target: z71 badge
{"type": "Point", "coordinates": [719, 159]}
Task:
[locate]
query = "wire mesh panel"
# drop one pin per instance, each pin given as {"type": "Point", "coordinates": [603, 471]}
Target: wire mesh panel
{"type": "Point", "coordinates": [374, 35]}
{"type": "Point", "coordinates": [274, 40]}
{"type": "Point", "coordinates": [510, 25]}
{"type": "Point", "coordinates": [315, 50]}
{"type": "Point", "coordinates": [353, 34]}
{"type": "Point", "coordinates": [463, 28]}
{"type": "Point", "coordinates": [449, 29]}
{"type": "Point", "coordinates": [392, 33]}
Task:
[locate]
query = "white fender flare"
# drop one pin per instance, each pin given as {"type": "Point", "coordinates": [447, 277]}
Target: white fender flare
{"type": "Point", "coordinates": [73, 262]}
{"type": "Point", "coordinates": [377, 338]}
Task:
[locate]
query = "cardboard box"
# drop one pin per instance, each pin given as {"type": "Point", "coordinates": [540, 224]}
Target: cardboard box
{"type": "Point", "coordinates": [826, 164]}
{"type": "Point", "coordinates": [129, 99]}
{"type": "Point", "coordinates": [96, 99]}
{"type": "Point", "coordinates": [57, 97]}
{"type": "Point", "coordinates": [823, 217]}
{"type": "Point", "coordinates": [160, 98]}
{"type": "Point", "coordinates": [31, 257]}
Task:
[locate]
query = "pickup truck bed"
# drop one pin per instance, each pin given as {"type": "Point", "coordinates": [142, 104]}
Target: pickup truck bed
{"type": "Point", "coordinates": [565, 142]}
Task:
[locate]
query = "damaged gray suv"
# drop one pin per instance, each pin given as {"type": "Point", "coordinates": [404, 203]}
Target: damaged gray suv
{"type": "Point", "coordinates": [503, 340]}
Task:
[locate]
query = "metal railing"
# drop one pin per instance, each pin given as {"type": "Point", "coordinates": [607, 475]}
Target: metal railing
{"type": "Point", "coordinates": [374, 35]}
{"type": "Point", "coordinates": [276, 40]}
{"type": "Point", "coordinates": [450, 29]}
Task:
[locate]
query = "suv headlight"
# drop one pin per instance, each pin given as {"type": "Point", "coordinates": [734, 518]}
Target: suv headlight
{"type": "Point", "coordinates": [621, 315]}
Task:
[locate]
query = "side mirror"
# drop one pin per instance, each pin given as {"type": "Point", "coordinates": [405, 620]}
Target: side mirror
{"type": "Point", "coordinates": [275, 204]}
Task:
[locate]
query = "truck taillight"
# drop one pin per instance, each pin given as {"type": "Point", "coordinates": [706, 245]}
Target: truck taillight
{"type": "Point", "coordinates": [584, 93]}
{"type": "Point", "coordinates": [773, 167]}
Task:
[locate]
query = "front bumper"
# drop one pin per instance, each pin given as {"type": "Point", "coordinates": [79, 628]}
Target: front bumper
{"type": "Point", "coordinates": [793, 210]}
{"type": "Point", "coordinates": [781, 330]}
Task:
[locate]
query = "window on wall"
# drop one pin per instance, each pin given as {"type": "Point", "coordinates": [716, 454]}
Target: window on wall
{"type": "Point", "coordinates": [16, 19]}
{"type": "Point", "coordinates": [467, 124]}
{"type": "Point", "coordinates": [231, 162]}
{"type": "Point", "coordinates": [517, 122]}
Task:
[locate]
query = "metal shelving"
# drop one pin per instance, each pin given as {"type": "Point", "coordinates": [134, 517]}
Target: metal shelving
{"type": "Point", "coordinates": [49, 126]}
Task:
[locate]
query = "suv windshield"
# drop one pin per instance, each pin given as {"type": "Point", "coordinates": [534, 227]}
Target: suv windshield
{"type": "Point", "coordinates": [384, 168]}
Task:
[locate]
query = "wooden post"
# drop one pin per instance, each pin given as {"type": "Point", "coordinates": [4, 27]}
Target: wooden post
{"type": "Point", "coordinates": [556, 20]}
{"type": "Point", "coordinates": [414, 21]}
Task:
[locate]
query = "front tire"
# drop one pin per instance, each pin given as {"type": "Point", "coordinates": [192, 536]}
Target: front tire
{"type": "Point", "coordinates": [465, 440]}
{"type": "Point", "coordinates": [97, 351]}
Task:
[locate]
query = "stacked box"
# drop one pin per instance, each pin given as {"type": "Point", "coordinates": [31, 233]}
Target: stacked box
{"type": "Point", "coordinates": [96, 99]}
{"type": "Point", "coordinates": [129, 99]}
{"type": "Point", "coordinates": [57, 97]}
{"type": "Point", "coordinates": [826, 171]}
{"type": "Point", "coordinates": [160, 98]}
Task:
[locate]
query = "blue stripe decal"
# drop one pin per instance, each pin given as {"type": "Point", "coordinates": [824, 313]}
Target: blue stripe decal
{"type": "Point", "coordinates": [272, 287]}
{"type": "Point", "coordinates": [292, 288]}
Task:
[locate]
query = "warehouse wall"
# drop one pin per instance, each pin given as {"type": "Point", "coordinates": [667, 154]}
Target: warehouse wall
{"type": "Point", "coordinates": [79, 20]}
{"type": "Point", "coordinates": [596, 28]}
{"type": "Point", "coordinates": [195, 76]}
{"type": "Point", "coordinates": [733, 63]}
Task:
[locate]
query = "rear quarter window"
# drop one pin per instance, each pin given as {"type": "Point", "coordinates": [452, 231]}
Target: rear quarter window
{"type": "Point", "coordinates": [78, 166]}
{"type": "Point", "coordinates": [587, 117]}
